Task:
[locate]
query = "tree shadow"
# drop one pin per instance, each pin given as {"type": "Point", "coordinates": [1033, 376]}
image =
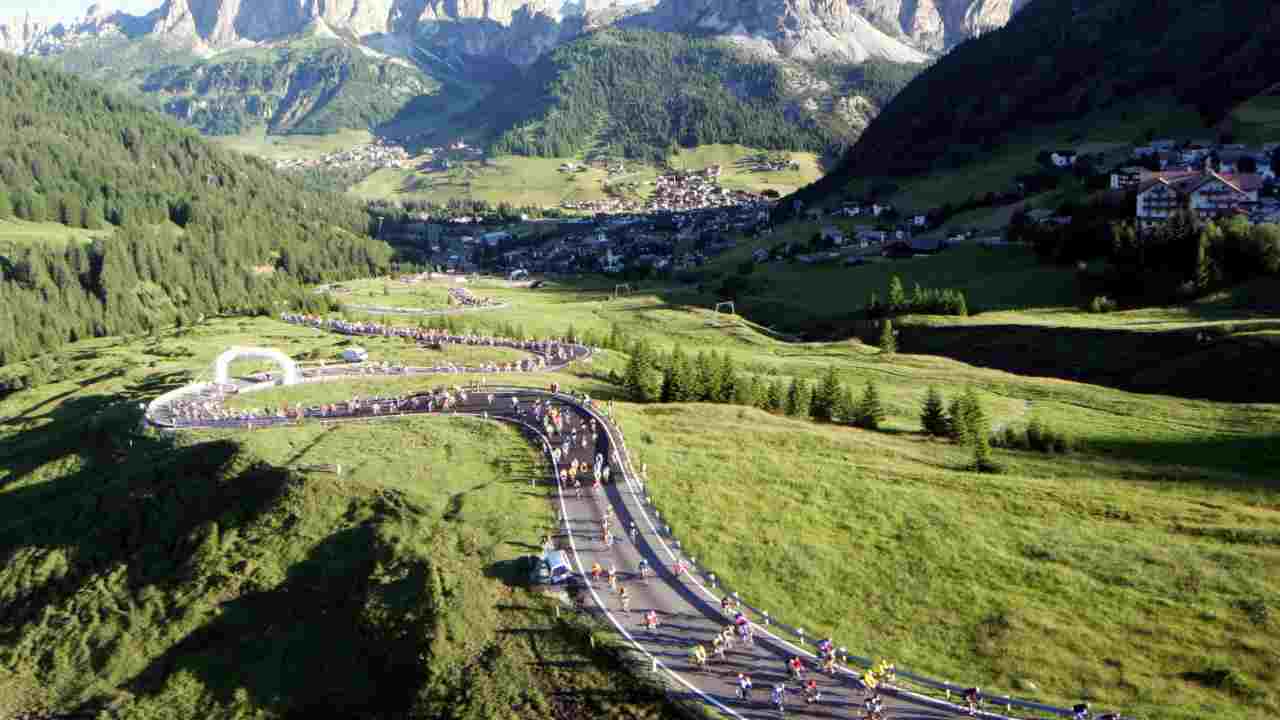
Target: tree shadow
{"type": "Point", "coordinates": [276, 644]}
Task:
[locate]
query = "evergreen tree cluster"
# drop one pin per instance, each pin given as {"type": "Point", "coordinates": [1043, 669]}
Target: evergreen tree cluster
{"type": "Point", "coordinates": [652, 377]}
{"type": "Point", "coordinates": [640, 94]}
{"type": "Point", "coordinates": [965, 421]}
{"type": "Point", "coordinates": [196, 230]}
{"type": "Point", "coordinates": [923, 301]}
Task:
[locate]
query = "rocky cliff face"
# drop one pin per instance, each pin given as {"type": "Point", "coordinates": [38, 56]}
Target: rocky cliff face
{"type": "Point", "coordinates": [800, 29]}
{"type": "Point", "coordinates": [937, 25]}
{"type": "Point", "coordinates": [29, 35]}
{"type": "Point", "coordinates": [519, 31]}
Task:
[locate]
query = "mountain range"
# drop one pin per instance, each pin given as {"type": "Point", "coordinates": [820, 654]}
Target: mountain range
{"type": "Point", "coordinates": [304, 66]}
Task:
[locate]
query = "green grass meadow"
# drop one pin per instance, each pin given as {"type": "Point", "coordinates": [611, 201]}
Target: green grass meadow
{"type": "Point", "coordinates": [1139, 571]}
{"type": "Point", "coordinates": [219, 575]}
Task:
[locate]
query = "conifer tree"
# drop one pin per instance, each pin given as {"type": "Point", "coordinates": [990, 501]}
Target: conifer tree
{"type": "Point", "coordinates": [637, 377]}
{"type": "Point", "coordinates": [870, 412]}
{"type": "Point", "coordinates": [707, 371]}
{"type": "Point", "coordinates": [827, 396]}
{"type": "Point", "coordinates": [957, 420]}
{"type": "Point", "coordinates": [746, 391]}
{"type": "Point", "coordinates": [847, 408]}
{"type": "Point", "coordinates": [888, 338]}
{"type": "Point", "coordinates": [729, 380]}
{"type": "Point", "coordinates": [799, 398]}
{"type": "Point", "coordinates": [776, 396]}
{"type": "Point", "coordinates": [933, 413]}
{"type": "Point", "coordinates": [897, 295]}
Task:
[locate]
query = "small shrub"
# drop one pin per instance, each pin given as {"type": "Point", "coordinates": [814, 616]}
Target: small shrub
{"type": "Point", "coordinates": [1102, 304]}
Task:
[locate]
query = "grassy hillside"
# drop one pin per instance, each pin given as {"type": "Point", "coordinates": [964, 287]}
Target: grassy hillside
{"type": "Point", "coordinates": [216, 577]}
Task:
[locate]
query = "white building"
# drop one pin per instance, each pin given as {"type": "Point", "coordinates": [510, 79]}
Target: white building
{"type": "Point", "coordinates": [1208, 194]}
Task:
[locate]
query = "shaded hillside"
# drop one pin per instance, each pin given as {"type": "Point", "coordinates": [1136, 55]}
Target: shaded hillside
{"type": "Point", "coordinates": [1060, 59]}
{"type": "Point", "coordinates": [199, 230]}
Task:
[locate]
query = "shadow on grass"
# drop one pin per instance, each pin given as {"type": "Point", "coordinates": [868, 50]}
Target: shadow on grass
{"type": "Point", "coordinates": [1243, 462]}
{"type": "Point", "coordinates": [308, 644]}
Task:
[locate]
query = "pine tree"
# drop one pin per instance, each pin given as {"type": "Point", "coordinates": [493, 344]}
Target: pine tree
{"type": "Point", "coordinates": [729, 380]}
{"type": "Point", "coordinates": [827, 396]}
{"type": "Point", "coordinates": [975, 421]}
{"type": "Point", "coordinates": [933, 413]}
{"type": "Point", "coordinates": [707, 369]}
{"type": "Point", "coordinates": [888, 338]}
{"type": "Point", "coordinates": [957, 427]}
{"type": "Point", "coordinates": [639, 369]}
{"type": "Point", "coordinates": [870, 412]}
{"type": "Point", "coordinates": [897, 295]}
{"type": "Point", "coordinates": [746, 391]}
{"type": "Point", "coordinates": [675, 381]}
{"type": "Point", "coordinates": [792, 403]}
{"type": "Point", "coordinates": [776, 396]}
{"type": "Point", "coordinates": [847, 408]}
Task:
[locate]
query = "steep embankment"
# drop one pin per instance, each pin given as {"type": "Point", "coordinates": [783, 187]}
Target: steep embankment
{"type": "Point", "coordinates": [1060, 59]}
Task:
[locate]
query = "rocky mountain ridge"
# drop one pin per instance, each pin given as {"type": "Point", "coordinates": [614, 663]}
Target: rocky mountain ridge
{"type": "Point", "coordinates": [518, 31]}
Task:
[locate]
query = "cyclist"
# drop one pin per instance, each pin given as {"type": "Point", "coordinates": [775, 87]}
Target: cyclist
{"type": "Point", "coordinates": [779, 698]}
{"type": "Point", "coordinates": [651, 620]}
{"type": "Point", "coordinates": [698, 655]}
{"type": "Point", "coordinates": [635, 531]}
{"type": "Point", "coordinates": [796, 666]}
{"type": "Point", "coordinates": [625, 598]}
{"type": "Point", "coordinates": [811, 692]}
{"type": "Point", "coordinates": [744, 687]}
{"type": "Point", "coordinates": [1080, 711]}
{"type": "Point", "coordinates": [717, 646]}
{"type": "Point", "coordinates": [971, 697]}
{"type": "Point", "coordinates": [596, 572]}
{"type": "Point", "coordinates": [644, 568]}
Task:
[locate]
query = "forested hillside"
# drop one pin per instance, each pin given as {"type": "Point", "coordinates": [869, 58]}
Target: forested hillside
{"type": "Point", "coordinates": [1061, 59]}
{"type": "Point", "coordinates": [640, 93]}
{"type": "Point", "coordinates": [310, 87]}
{"type": "Point", "coordinates": [197, 230]}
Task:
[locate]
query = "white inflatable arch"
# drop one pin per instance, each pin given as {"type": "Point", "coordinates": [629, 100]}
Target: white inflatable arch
{"type": "Point", "coordinates": [223, 366]}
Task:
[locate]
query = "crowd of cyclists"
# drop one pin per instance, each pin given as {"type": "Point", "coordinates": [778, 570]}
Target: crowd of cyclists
{"type": "Point", "coordinates": [553, 353]}
{"type": "Point", "coordinates": [465, 298]}
{"type": "Point", "coordinates": [568, 434]}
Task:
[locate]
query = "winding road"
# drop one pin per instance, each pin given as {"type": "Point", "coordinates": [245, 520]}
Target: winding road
{"type": "Point", "coordinates": [688, 604]}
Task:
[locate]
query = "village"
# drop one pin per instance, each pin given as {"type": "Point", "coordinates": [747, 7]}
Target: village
{"type": "Point", "coordinates": [367, 158]}
{"type": "Point", "coordinates": [682, 219]}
